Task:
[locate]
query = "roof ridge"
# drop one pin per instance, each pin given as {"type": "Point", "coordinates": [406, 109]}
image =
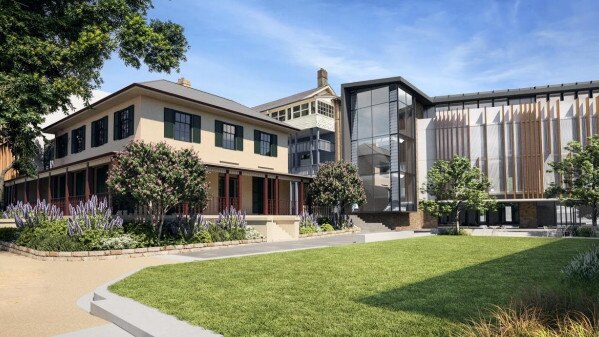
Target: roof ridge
{"type": "Point", "coordinates": [205, 92]}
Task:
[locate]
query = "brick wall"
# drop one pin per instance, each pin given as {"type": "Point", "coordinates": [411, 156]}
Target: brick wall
{"type": "Point", "coordinates": [401, 221]}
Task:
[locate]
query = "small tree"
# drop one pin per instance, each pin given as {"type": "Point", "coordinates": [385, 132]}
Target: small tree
{"type": "Point", "coordinates": [159, 177]}
{"type": "Point", "coordinates": [456, 185]}
{"type": "Point", "coordinates": [579, 177]}
{"type": "Point", "coordinates": [337, 184]}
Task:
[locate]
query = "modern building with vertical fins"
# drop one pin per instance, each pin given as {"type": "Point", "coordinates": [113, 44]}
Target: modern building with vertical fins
{"type": "Point", "coordinates": [394, 133]}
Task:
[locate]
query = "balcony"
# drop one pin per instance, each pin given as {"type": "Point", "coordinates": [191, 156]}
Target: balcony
{"type": "Point", "coordinates": [306, 146]}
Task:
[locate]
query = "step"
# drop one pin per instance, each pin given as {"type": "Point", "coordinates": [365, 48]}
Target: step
{"type": "Point", "coordinates": [140, 320]}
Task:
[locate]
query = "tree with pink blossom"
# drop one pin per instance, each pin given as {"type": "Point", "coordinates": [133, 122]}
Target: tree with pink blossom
{"type": "Point", "coordinates": [158, 177]}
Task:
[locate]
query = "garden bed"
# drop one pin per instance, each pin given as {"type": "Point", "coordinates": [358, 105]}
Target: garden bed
{"type": "Point", "coordinates": [93, 255]}
{"type": "Point", "coordinates": [330, 233]}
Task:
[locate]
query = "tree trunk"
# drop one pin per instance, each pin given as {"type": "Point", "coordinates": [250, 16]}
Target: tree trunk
{"type": "Point", "coordinates": [457, 222]}
{"type": "Point", "coordinates": [161, 222]}
{"type": "Point", "coordinates": [595, 213]}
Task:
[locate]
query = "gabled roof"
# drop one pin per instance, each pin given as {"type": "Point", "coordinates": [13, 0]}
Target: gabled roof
{"type": "Point", "coordinates": [293, 98]}
{"type": "Point", "coordinates": [186, 93]}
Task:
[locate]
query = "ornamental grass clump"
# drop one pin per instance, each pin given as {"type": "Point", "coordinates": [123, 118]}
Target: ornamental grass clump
{"type": "Point", "coordinates": [583, 268]}
{"type": "Point", "coordinates": [92, 215]}
{"type": "Point", "coordinates": [27, 216]}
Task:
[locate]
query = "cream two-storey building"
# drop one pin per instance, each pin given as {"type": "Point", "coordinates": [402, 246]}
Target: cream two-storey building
{"type": "Point", "coordinates": [245, 151]}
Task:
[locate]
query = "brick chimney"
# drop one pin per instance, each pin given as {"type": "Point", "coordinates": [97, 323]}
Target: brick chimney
{"type": "Point", "coordinates": [184, 82]}
{"type": "Point", "coordinates": [322, 77]}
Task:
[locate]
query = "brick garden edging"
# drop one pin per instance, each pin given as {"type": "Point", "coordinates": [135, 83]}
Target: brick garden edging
{"type": "Point", "coordinates": [94, 255]}
{"type": "Point", "coordinates": [332, 233]}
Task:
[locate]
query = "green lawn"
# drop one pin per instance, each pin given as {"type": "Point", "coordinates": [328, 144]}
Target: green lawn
{"type": "Point", "coordinates": [415, 287]}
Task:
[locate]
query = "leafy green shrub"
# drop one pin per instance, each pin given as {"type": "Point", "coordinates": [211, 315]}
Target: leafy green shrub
{"type": "Point", "coordinates": [143, 231]}
{"type": "Point", "coordinates": [584, 231]}
{"type": "Point", "coordinates": [50, 236]}
{"type": "Point", "coordinates": [327, 227]}
{"type": "Point", "coordinates": [584, 267]}
{"type": "Point", "coordinates": [323, 219]}
{"type": "Point", "coordinates": [218, 234]}
{"type": "Point", "coordinates": [453, 231]}
{"type": "Point", "coordinates": [202, 236]}
{"type": "Point", "coordinates": [307, 230]}
{"type": "Point", "coordinates": [9, 234]}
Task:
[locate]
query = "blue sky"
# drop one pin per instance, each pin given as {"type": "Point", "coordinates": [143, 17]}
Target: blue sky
{"type": "Point", "coordinates": [255, 51]}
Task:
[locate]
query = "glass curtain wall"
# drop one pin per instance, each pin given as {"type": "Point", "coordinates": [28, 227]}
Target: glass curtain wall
{"type": "Point", "coordinates": [382, 123]}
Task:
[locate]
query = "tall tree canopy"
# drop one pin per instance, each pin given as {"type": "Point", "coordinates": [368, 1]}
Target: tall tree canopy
{"type": "Point", "coordinates": [454, 186]}
{"type": "Point", "coordinates": [337, 184]}
{"type": "Point", "coordinates": [579, 177]}
{"type": "Point", "coordinates": [51, 50]}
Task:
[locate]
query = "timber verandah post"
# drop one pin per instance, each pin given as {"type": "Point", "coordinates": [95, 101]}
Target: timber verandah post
{"type": "Point", "coordinates": [227, 196]}
{"type": "Point", "coordinates": [67, 202]}
{"type": "Point", "coordinates": [49, 191]}
{"type": "Point", "coordinates": [26, 190]}
{"type": "Point", "coordinates": [87, 182]}
{"type": "Point", "coordinates": [301, 197]}
{"type": "Point", "coordinates": [276, 210]}
{"type": "Point", "coordinates": [265, 194]}
{"type": "Point", "coordinates": [239, 192]}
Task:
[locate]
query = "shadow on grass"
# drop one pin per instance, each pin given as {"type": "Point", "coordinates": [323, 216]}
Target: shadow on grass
{"type": "Point", "coordinates": [463, 294]}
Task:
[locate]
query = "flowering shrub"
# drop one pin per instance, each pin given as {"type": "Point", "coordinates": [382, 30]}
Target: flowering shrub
{"type": "Point", "coordinates": [308, 224]}
{"type": "Point", "coordinates": [252, 234]}
{"type": "Point", "coordinates": [92, 215]}
{"type": "Point", "coordinates": [584, 267]}
{"type": "Point", "coordinates": [27, 216]}
{"type": "Point", "coordinates": [123, 241]}
{"type": "Point", "coordinates": [187, 227]}
{"type": "Point", "coordinates": [231, 218]}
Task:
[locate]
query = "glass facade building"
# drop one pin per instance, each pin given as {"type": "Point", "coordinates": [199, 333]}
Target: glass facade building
{"type": "Point", "coordinates": [382, 134]}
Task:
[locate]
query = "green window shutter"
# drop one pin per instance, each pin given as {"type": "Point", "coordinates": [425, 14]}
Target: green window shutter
{"type": "Point", "coordinates": [257, 141]}
{"type": "Point", "coordinates": [105, 127]}
{"type": "Point", "coordinates": [94, 127]}
{"type": "Point", "coordinates": [273, 145]}
{"type": "Point", "coordinates": [239, 138]}
{"type": "Point", "coordinates": [131, 120]}
{"type": "Point", "coordinates": [169, 123]}
{"type": "Point", "coordinates": [83, 134]}
{"type": "Point", "coordinates": [117, 126]}
{"type": "Point", "coordinates": [73, 141]}
{"type": "Point", "coordinates": [196, 124]}
{"type": "Point", "coordinates": [218, 133]}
